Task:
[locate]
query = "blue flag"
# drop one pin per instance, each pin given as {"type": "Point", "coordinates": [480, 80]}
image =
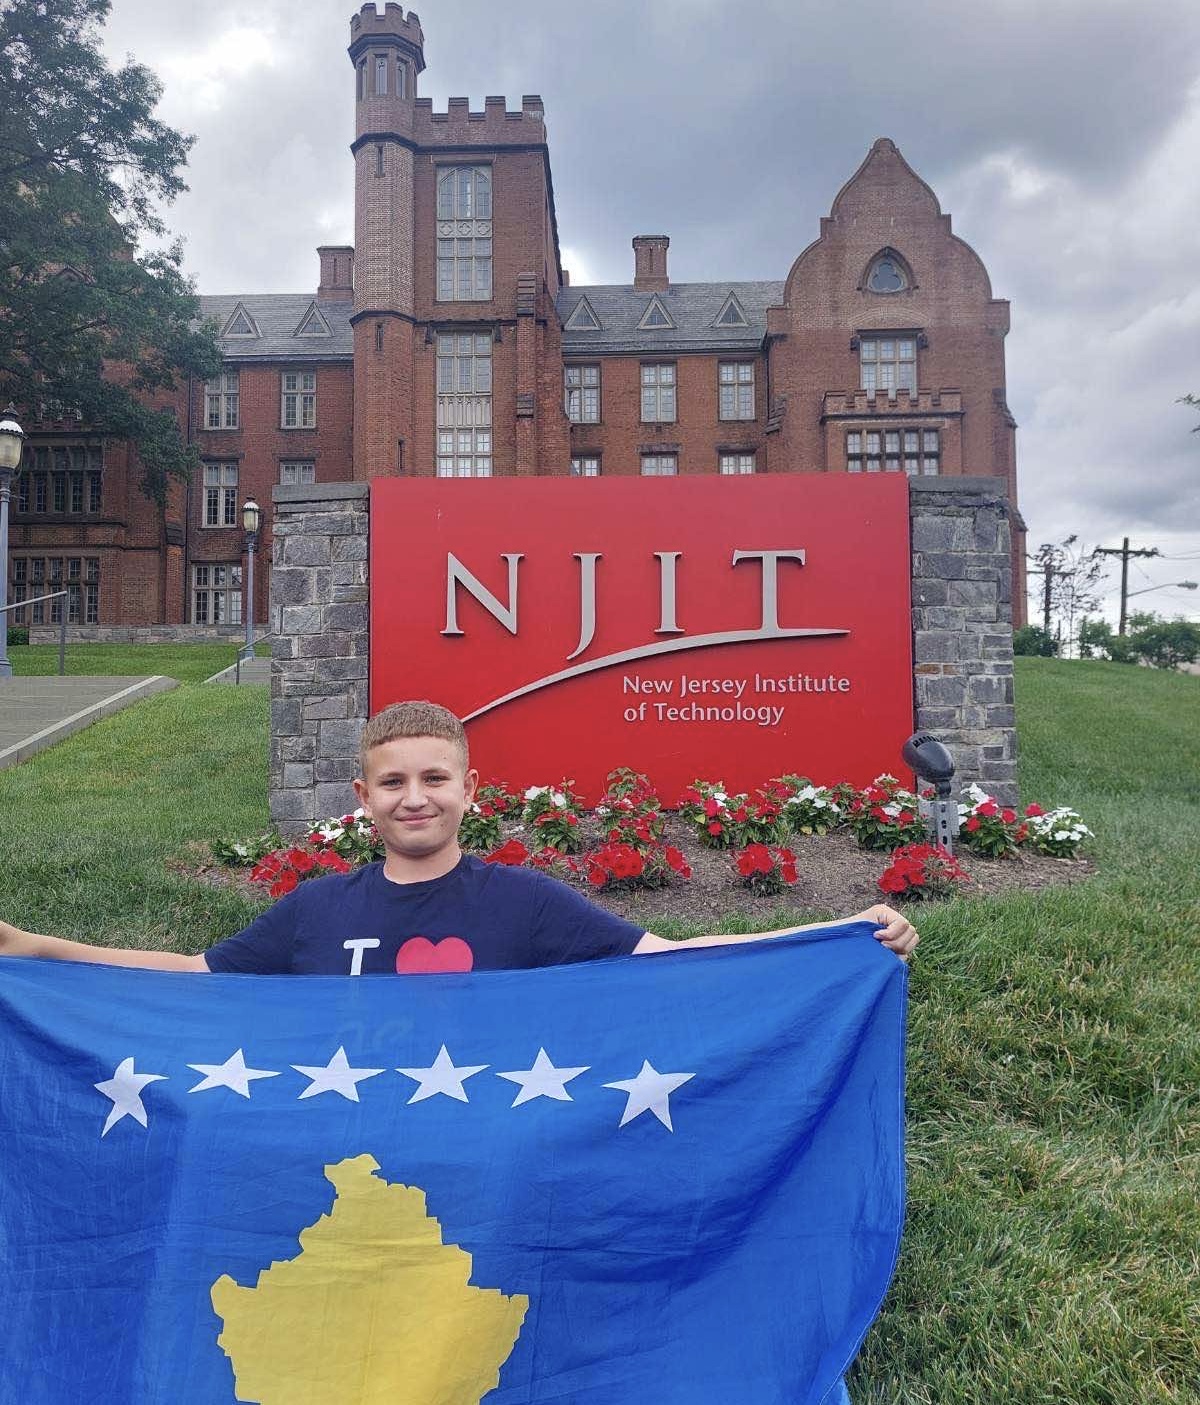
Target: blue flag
{"type": "Point", "coordinates": [674, 1179]}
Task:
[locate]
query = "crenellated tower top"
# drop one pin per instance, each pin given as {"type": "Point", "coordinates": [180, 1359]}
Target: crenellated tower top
{"type": "Point", "coordinates": [388, 52]}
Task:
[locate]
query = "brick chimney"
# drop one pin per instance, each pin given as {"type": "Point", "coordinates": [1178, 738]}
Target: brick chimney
{"type": "Point", "coordinates": [337, 273]}
{"type": "Point", "coordinates": [650, 262]}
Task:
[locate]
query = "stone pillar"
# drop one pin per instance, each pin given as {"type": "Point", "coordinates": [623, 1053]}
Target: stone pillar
{"type": "Point", "coordinates": [962, 626]}
{"type": "Point", "coordinates": [319, 619]}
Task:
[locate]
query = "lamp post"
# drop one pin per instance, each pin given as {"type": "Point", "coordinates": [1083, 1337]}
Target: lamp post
{"type": "Point", "coordinates": [251, 516]}
{"type": "Point", "coordinates": [1170, 585]}
{"type": "Point", "coordinates": [12, 438]}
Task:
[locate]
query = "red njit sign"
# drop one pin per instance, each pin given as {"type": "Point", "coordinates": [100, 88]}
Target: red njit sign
{"type": "Point", "coordinates": [727, 628]}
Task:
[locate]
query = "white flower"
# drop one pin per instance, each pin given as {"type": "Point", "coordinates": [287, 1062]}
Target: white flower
{"type": "Point", "coordinates": [242, 850]}
{"type": "Point", "coordinates": [330, 831]}
{"type": "Point", "coordinates": [558, 798]}
{"type": "Point", "coordinates": [892, 809]}
{"type": "Point", "coordinates": [1061, 834]}
{"type": "Point", "coordinates": [359, 813]}
{"type": "Point", "coordinates": [535, 790]}
{"type": "Point", "coordinates": [720, 796]}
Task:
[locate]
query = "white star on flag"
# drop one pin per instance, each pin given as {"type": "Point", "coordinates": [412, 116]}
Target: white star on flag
{"type": "Point", "coordinates": [336, 1077]}
{"type": "Point", "coordinates": [125, 1090]}
{"type": "Point", "coordinates": [543, 1080]}
{"type": "Point", "coordinates": [650, 1091]}
{"type": "Point", "coordinates": [233, 1073]}
{"type": "Point", "coordinates": [441, 1077]}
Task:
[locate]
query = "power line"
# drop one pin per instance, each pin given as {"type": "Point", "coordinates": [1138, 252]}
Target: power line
{"type": "Point", "coordinates": [1124, 551]}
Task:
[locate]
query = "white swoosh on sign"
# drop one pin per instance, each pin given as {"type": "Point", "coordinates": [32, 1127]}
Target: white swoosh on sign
{"type": "Point", "coordinates": [648, 651]}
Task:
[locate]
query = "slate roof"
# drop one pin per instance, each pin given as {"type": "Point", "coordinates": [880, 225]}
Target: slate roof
{"type": "Point", "coordinates": [693, 307]}
{"type": "Point", "coordinates": [277, 315]}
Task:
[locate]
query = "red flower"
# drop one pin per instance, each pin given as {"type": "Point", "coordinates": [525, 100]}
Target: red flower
{"type": "Point", "coordinates": [711, 807]}
{"type": "Point", "coordinates": [988, 808]}
{"type": "Point", "coordinates": [1008, 816]}
{"type": "Point", "coordinates": [596, 876]}
{"type": "Point", "coordinates": [301, 860]}
{"type": "Point", "coordinates": [1031, 811]}
{"type": "Point", "coordinates": [972, 824]}
{"type": "Point", "coordinates": [715, 827]}
{"type": "Point", "coordinates": [905, 817]}
{"type": "Point", "coordinates": [891, 881]}
{"type": "Point", "coordinates": [788, 870]}
{"type": "Point", "coordinates": [286, 881]}
{"type": "Point", "coordinates": [513, 854]}
{"type": "Point", "coordinates": [676, 860]}
{"type": "Point", "coordinates": [1022, 834]}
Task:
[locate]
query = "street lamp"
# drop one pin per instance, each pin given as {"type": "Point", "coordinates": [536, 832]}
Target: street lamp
{"type": "Point", "coordinates": [251, 516]}
{"type": "Point", "coordinates": [1170, 585]}
{"type": "Point", "coordinates": [12, 438]}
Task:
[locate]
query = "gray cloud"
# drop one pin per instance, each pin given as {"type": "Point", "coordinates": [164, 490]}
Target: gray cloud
{"type": "Point", "coordinates": [1060, 135]}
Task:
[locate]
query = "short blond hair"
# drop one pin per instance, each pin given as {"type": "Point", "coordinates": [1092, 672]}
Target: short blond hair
{"type": "Point", "coordinates": [412, 719]}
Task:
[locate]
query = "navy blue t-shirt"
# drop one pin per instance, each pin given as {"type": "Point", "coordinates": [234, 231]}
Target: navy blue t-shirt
{"type": "Point", "coordinates": [477, 917]}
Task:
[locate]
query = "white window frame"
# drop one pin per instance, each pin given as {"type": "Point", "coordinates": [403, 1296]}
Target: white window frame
{"type": "Point", "coordinates": [464, 405]}
{"type": "Point", "coordinates": [731, 465]}
{"type": "Point", "coordinates": [581, 393]}
{"type": "Point", "coordinates": [735, 390]}
{"type": "Point", "coordinates": [658, 398]}
{"type": "Point", "coordinates": [219, 506]}
{"type": "Point", "coordinates": [464, 233]}
{"type": "Point", "coordinates": [585, 466]}
{"type": "Point", "coordinates": [660, 465]}
{"type": "Point", "coordinates": [888, 361]}
{"type": "Point", "coordinates": [216, 592]}
{"type": "Point", "coordinates": [294, 472]}
{"type": "Point", "coordinates": [222, 401]}
{"type": "Point", "coordinates": [298, 400]}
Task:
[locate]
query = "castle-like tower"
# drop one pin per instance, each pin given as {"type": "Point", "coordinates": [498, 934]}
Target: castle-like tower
{"type": "Point", "coordinates": [456, 272]}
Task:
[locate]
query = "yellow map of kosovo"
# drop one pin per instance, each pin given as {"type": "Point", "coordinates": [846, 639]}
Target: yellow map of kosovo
{"type": "Point", "coordinates": [374, 1310]}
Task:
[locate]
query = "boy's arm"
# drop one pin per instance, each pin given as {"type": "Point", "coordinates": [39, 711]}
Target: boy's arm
{"type": "Point", "coordinates": [15, 942]}
{"type": "Point", "coordinates": [894, 931]}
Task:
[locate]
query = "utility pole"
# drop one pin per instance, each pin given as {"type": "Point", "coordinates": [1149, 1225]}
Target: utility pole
{"type": "Point", "coordinates": [1124, 552]}
{"type": "Point", "coordinates": [1048, 571]}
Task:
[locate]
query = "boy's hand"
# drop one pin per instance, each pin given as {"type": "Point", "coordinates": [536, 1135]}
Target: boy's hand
{"type": "Point", "coordinates": [895, 932]}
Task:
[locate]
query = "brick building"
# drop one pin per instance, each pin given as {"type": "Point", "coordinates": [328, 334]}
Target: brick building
{"type": "Point", "coordinates": [450, 341]}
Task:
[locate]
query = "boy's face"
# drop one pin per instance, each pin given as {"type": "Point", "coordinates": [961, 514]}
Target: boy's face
{"type": "Point", "coordinates": [416, 789]}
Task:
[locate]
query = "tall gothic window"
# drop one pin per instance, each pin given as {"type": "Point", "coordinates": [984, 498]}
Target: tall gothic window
{"type": "Point", "coordinates": [464, 405]}
{"type": "Point", "coordinates": [464, 233]}
{"type": "Point", "coordinates": [888, 363]}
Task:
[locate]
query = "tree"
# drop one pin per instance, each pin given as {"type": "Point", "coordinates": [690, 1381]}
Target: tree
{"type": "Point", "coordinates": [1098, 639]}
{"type": "Point", "coordinates": [1069, 579]}
{"type": "Point", "coordinates": [1166, 643]}
{"type": "Point", "coordinates": [1194, 402]}
{"type": "Point", "coordinates": [89, 321]}
{"type": "Point", "coordinates": [1030, 639]}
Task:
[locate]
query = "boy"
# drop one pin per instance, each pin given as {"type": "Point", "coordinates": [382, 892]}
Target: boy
{"type": "Point", "coordinates": [427, 906]}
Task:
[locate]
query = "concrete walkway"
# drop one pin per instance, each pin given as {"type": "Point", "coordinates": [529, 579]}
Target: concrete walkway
{"type": "Point", "coordinates": [252, 671]}
{"type": "Point", "coordinates": [37, 712]}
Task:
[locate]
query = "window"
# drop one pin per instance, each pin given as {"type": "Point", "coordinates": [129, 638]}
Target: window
{"type": "Point", "coordinates": [60, 478]}
{"type": "Point", "coordinates": [736, 463]}
{"type": "Point", "coordinates": [464, 243]}
{"type": "Point", "coordinates": [888, 363]}
{"type": "Point", "coordinates": [658, 393]}
{"type": "Point", "coordinates": [660, 465]}
{"type": "Point", "coordinates": [916, 451]}
{"type": "Point", "coordinates": [464, 405]}
{"type": "Point", "coordinates": [217, 594]}
{"type": "Point", "coordinates": [736, 389]}
{"type": "Point", "coordinates": [294, 471]}
{"type": "Point", "coordinates": [23, 486]}
{"type": "Point", "coordinates": [401, 80]}
{"type": "Point", "coordinates": [887, 275]}
{"type": "Point", "coordinates": [362, 79]}
{"type": "Point", "coordinates": [221, 401]}
{"type": "Point", "coordinates": [298, 395]}
{"type": "Point", "coordinates": [581, 394]}
{"type": "Point", "coordinates": [381, 74]}
{"type": "Point", "coordinates": [79, 575]}
{"type": "Point", "coordinates": [586, 467]}
{"type": "Point", "coordinates": [220, 495]}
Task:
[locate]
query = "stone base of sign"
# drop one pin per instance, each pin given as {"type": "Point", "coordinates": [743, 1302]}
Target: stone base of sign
{"type": "Point", "coordinates": [962, 626]}
{"type": "Point", "coordinates": [961, 619]}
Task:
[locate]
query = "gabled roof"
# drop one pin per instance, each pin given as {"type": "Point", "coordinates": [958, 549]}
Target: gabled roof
{"type": "Point", "coordinates": [279, 319]}
{"type": "Point", "coordinates": [693, 308]}
{"type": "Point", "coordinates": [582, 317]}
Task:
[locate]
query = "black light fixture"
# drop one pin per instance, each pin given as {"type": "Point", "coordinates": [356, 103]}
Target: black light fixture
{"type": "Point", "coordinates": [932, 762]}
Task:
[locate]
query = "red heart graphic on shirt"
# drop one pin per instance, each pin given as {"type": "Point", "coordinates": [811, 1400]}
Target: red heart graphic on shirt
{"type": "Point", "coordinates": [420, 956]}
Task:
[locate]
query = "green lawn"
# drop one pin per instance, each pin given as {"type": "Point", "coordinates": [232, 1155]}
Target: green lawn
{"type": "Point", "coordinates": [190, 663]}
{"type": "Point", "coordinates": [1051, 1255]}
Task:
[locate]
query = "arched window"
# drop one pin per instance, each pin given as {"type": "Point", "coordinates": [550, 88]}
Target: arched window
{"type": "Point", "coordinates": [888, 273]}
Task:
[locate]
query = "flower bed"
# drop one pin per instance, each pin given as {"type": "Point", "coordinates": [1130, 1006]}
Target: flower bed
{"type": "Point", "coordinates": [838, 847]}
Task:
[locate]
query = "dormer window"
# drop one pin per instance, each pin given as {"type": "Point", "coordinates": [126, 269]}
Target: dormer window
{"type": "Point", "coordinates": [888, 274]}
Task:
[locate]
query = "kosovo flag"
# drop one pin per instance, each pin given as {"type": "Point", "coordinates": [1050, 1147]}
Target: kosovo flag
{"type": "Point", "coordinates": [656, 1180]}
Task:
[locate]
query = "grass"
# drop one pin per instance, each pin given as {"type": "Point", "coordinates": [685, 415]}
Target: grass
{"type": "Point", "coordinates": [190, 663]}
{"type": "Point", "coordinates": [1052, 1254]}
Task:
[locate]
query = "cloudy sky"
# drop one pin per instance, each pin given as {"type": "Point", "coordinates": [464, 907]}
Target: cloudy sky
{"type": "Point", "coordinates": [1062, 136]}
